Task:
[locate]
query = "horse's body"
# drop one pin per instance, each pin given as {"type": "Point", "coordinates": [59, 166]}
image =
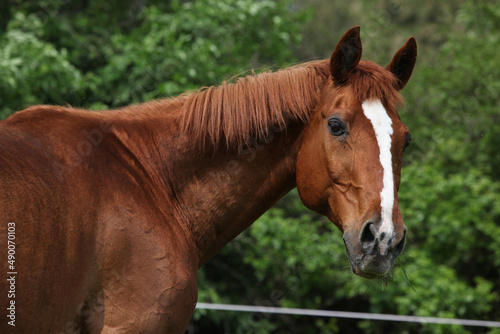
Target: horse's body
{"type": "Point", "coordinates": [114, 212]}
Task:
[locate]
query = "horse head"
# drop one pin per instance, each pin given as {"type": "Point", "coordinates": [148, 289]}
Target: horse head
{"type": "Point", "coordinates": [349, 162]}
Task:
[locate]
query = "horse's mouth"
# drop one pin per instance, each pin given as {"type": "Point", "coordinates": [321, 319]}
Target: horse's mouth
{"type": "Point", "coordinates": [369, 260]}
{"type": "Point", "coordinates": [370, 266]}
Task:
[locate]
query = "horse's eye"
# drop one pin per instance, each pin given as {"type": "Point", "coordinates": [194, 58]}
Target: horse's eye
{"type": "Point", "coordinates": [407, 141]}
{"type": "Point", "coordinates": [336, 127]}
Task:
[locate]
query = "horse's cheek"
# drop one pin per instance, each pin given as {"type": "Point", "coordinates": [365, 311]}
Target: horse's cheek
{"type": "Point", "coordinates": [312, 180]}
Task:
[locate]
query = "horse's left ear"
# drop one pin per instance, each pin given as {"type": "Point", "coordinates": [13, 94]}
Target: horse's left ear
{"type": "Point", "coordinates": [403, 62]}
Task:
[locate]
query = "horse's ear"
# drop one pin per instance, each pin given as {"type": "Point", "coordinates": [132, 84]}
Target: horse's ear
{"type": "Point", "coordinates": [403, 63]}
{"type": "Point", "coordinates": [346, 56]}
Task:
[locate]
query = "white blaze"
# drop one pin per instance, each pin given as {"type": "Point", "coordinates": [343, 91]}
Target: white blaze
{"type": "Point", "coordinates": [382, 124]}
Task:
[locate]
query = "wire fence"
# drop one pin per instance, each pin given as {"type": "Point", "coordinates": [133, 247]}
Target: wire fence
{"type": "Point", "coordinates": [350, 315]}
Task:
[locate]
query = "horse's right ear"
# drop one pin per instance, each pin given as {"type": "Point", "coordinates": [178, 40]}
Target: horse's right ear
{"type": "Point", "coordinates": [346, 56]}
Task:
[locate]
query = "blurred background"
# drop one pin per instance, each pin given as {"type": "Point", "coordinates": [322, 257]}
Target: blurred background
{"type": "Point", "coordinates": [107, 54]}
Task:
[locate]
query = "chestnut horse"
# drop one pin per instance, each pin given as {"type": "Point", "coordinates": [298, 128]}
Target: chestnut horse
{"type": "Point", "coordinates": [106, 217]}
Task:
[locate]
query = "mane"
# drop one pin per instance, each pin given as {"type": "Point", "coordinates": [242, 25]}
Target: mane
{"type": "Point", "coordinates": [371, 81]}
{"type": "Point", "coordinates": [251, 106]}
{"type": "Point", "coordinates": [248, 108]}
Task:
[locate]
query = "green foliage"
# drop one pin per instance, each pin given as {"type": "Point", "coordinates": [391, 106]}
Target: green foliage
{"type": "Point", "coordinates": [33, 70]}
{"type": "Point", "coordinates": [191, 47]}
{"type": "Point", "coordinates": [52, 53]}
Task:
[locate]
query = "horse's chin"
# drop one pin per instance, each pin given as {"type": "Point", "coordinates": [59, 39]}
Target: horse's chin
{"type": "Point", "coordinates": [363, 274]}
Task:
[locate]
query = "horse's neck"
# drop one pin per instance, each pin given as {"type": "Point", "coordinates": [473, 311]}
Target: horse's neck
{"type": "Point", "coordinates": [222, 194]}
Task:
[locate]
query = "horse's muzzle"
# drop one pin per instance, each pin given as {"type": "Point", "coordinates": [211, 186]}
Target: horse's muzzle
{"type": "Point", "coordinates": [371, 254]}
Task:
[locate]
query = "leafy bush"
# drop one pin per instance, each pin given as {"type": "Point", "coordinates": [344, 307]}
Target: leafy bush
{"type": "Point", "coordinates": [32, 70]}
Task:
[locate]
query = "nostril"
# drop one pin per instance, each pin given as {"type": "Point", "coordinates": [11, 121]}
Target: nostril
{"type": "Point", "coordinates": [401, 244]}
{"type": "Point", "coordinates": [368, 234]}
